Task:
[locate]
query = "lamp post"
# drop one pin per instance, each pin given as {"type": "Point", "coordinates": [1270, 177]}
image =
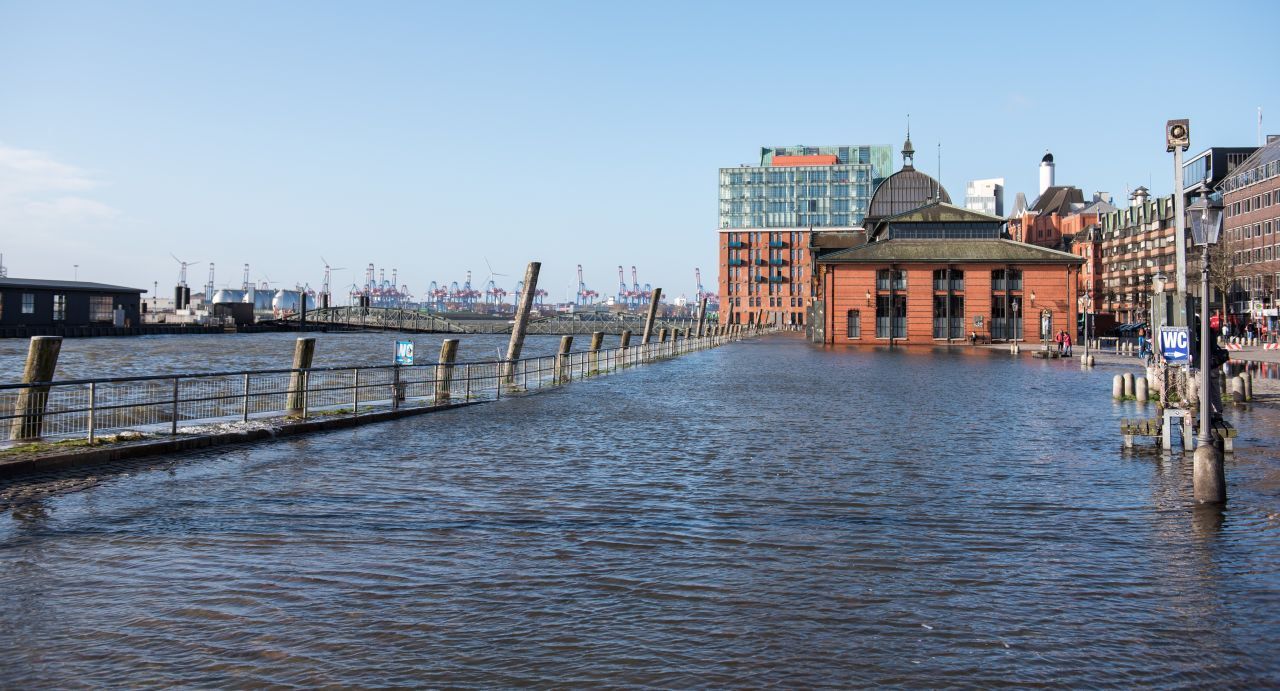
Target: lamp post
{"type": "Point", "coordinates": [1086, 305]}
{"type": "Point", "coordinates": [1210, 486]}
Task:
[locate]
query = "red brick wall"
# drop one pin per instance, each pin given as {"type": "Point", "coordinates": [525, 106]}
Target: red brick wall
{"type": "Point", "coordinates": [1054, 288]}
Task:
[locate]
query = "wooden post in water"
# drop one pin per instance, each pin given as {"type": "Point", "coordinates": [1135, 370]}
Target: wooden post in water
{"type": "Point", "coordinates": [522, 321]}
{"type": "Point", "coordinates": [42, 361]}
{"type": "Point", "coordinates": [562, 359]}
{"type": "Point", "coordinates": [303, 352]}
{"type": "Point", "coordinates": [444, 370]}
{"type": "Point", "coordinates": [593, 364]}
{"type": "Point", "coordinates": [624, 341]}
{"type": "Point", "coordinates": [653, 314]}
{"type": "Point", "coordinates": [702, 317]}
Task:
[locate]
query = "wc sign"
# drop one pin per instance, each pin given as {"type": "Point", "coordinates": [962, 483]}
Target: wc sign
{"type": "Point", "coordinates": [1175, 344]}
{"type": "Point", "coordinates": [404, 352]}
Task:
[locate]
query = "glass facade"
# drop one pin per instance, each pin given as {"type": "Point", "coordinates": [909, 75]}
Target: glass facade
{"type": "Point", "coordinates": [803, 196]}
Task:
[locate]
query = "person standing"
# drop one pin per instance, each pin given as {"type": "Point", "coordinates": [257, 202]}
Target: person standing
{"type": "Point", "coordinates": [1066, 343]}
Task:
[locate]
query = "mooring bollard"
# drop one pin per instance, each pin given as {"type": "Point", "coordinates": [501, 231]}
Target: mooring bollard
{"type": "Point", "coordinates": [1090, 361]}
{"type": "Point", "coordinates": [1237, 389]}
{"type": "Point", "coordinates": [1128, 384]}
{"type": "Point", "coordinates": [653, 314]}
{"type": "Point", "coordinates": [444, 370]}
{"type": "Point", "coordinates": [562, 359]}
{"type": "Point", "coordinates": [42, 363]}
{"type": "Point", "coordinates": [1140, 389]}
{"type": "Point", "coordinates": [1247, 376]}
{"type": "Point", "coordinates": [304, 350]}
{"type": "Point", "coordinates": [522, 321]}
{"type": "Point", "coordinates": [593, 359]}
{"type": "Point", "coordinates": [1117, 387]}
{"type": "Point", "coordinates": [1013, 348]}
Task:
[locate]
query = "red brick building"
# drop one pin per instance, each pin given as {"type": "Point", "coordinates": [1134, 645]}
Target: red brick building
{"type": "Point", "coordinates": [765, 276]}
{"type": "Point", "coordinates": [939, 274]}
{"type": "Point", "coordinates": [1251, 233]}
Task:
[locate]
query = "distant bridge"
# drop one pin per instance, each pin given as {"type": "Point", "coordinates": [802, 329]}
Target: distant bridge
{"type": "Point", "coordinates": [412, 321]}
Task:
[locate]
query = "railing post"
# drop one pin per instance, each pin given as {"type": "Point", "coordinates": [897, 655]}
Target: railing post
{"type": "Point", "coordinates": [355, 392]}
{"type": "Point", "coordinates": [93, 399]}
{"type": "Point", "coordinates": [244, 403]}
{"type": "Point", "coordinates": [173, 429]}
{"type": "Point", "coordinates": [395, 387]}
{"type": "Point", "coordinates": [466, 372]}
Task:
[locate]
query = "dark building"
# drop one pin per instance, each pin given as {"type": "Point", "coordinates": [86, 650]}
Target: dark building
{"type": "Point", "coordinates": [52, 305]}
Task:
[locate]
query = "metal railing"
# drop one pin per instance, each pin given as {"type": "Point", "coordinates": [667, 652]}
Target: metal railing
{"type": "Point", "coordinates": [168, 404]}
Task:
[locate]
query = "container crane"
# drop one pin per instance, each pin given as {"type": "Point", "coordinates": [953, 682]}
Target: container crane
{"type": "Point", "coordinates": [622, 287]}
{"type": "Point", "coordinates": [246, 285]}
{"type": "Point", "coordinates": [585, 296]}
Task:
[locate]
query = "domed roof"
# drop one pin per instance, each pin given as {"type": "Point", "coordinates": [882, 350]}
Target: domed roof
{"type": "Point", "coordinates": [1048, 158]}
{"type": "Point", "coordinates": [904, 191]}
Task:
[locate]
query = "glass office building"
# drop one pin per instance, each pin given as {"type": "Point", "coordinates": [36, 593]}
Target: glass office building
{"type": "Point", "coordinates": [803, 187]}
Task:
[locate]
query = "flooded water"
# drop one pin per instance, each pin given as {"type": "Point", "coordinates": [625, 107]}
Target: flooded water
{"type": "Point", "coordinates": [85, 358]}
{"type": "Point", "coordinates": [766, 513]}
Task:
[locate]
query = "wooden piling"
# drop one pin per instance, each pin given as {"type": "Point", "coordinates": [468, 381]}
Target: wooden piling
{"type": "Point", "coordinates": [42, 362]}
{"type": "Point", "coordinates": [593, 358]}
{"type": "Point", "coordinates": [562, 360]}
{"type": "Point", "coordinates": [1117, 387]}
{"type": "Point", "coordinates": [1247, 377]}
{"type": "Point", "coordinates": [624, 341]}
{"type": "Point", "coordinates": [702, 317]}
{"type": "Point", "coordinates": [1237, 389]}
{"type": "Point", "coordinates": [1128, 385]}
{"type": "Point", "coordinates": [522, 320]}
{"type": "Point", "coordinates": [304, 350]}
{"type": "Point", "coordinates": [653, 315]}
{"type": "Point", "coordinates": [444, 369]}
{"type": "Point", "coordinates": [1140, 389]}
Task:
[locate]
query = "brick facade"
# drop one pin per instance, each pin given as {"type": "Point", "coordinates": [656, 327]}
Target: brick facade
{"type": "Point", "coordinates": [853, 288]}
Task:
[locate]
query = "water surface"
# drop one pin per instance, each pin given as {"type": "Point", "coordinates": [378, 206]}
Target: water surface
{"type": "Point", "coordinates": [766, 513]}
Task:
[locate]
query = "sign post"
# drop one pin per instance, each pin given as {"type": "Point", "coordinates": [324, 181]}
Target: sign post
{"type": "Point", "coordinates": [404, 356]}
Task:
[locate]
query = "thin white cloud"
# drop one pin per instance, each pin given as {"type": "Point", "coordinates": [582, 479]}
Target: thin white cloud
{"type": "Point", "coordinates": [40, 193]}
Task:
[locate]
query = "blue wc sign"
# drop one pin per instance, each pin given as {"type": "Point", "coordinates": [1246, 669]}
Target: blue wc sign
{"type": "Point", "coordinates": [1175, 344]}
{"type": "Point", "coordinates": [404, 352]}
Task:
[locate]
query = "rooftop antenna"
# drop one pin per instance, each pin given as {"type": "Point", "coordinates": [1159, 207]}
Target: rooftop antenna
{"type": "Point", "coordinates": [938, 193]}
{"type": "Point", "coordinates": [1259, 125]}
{"type": "Point", "coordinates": [4, 273]}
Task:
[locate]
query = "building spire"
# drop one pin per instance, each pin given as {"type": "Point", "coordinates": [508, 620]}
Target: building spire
{"type": "Point", "coordinates": [908, 151]}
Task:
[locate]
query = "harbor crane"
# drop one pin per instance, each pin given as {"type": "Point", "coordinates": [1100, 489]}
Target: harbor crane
{"type": "Point", "coordinates": [585, 296]}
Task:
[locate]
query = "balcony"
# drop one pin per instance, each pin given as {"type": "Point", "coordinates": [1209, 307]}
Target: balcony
{"type": "Point", "coordinates": [762, 262]}
{"type": "Point", "coordinates": [777, 244]}
{"type": "Point", "coordinates": [737, 245]}
{"type": "Point", "coordinates": [737, 262]}
{"type": "Point", "coordinates": [777, 279]}
{"type": "Point", "coordinates": [761, 279]}
{"type": "Point", "coordinates": [777, 262]}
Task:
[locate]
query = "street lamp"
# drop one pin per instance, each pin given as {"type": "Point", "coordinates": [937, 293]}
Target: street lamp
{"type": "Point", "coordinates": [1210, 485]}
{"type": "Point", "coordinates": [1085, 303]}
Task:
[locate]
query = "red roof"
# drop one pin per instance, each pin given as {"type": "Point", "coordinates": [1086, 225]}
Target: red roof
{"type": "Point", "coordinates": [814, 160]}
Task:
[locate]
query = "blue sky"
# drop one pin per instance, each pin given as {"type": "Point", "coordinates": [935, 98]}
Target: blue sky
{"type": "Point", "coordinates": [433, 137]}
